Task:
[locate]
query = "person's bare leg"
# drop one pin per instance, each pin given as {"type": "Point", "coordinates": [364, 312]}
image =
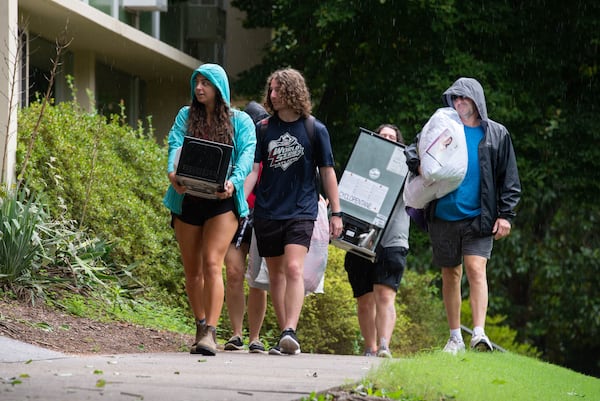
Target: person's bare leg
{"type": "Point", "coordinates": [385, 317]}
{"type": "Point", "coordinates": [218, 232]}
{"type": "Point", "coordinates": [277, 288]}
{"type": "Point", "coordinates": [257, 306]}
{"type": "Point", "coordinates": [365, 305]}
{"type": "Point", "coordinates": [451, 292]}
{"type": "Point", "coordinates": [475, 268]}
{"type": "Point", "coordinates": [189, 238]}
{"type": "Point", "coordinates": [235, 262]}
{"type": "Point", "coordinates": [294, 287]}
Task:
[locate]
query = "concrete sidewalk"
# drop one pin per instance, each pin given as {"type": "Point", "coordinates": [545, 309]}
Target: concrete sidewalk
{"type": "Point", "coordinates": [32, 373]}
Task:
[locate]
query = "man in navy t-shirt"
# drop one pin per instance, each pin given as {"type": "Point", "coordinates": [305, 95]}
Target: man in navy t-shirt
{"type": "Point", "coordinates": [287, 195]}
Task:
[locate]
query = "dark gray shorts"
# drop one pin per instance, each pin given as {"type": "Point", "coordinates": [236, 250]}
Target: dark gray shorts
{"type": "Point", "coordinates": [451, 240]}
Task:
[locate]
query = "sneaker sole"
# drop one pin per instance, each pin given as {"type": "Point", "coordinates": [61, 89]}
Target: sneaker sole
{"type": "Point", "coordinates": [482, 347]}
{"type": "Point", "coordinates": [257, 351]}
{"type": "Point", "coordinates": [289, 346]}
{"type": "Point", "coordinates": [233, 347]}
{"type": "Point", "coordinates": [274, 351]}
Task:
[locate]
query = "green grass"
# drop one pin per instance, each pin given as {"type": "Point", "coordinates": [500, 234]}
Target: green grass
{"type": "Point", "coordinates": [475, 376]}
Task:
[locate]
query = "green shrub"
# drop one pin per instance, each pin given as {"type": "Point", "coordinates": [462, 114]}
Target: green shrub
{"type": "Point", "coordinates": [421, 316]}
{"type": "Point", "coordinates": [40, 256]}
{"type": "Point", "coordinates": [109, 178]}
{"type": "Point", "coordinates": [328, 322]}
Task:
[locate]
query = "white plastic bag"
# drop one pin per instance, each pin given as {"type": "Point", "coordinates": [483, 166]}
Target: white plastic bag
{"type": "Point", "coordinates": [316, 258]}
{"type": "Point", "coordinates": [442, 150]}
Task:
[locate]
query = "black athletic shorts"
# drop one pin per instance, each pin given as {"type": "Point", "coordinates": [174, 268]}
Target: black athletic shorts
{"type": "Point", "coordinates": [387, 269]}
{"type": "Point", "coordinates": [273, 235]}
{"type": "Point", "coordinates": [196, 210]}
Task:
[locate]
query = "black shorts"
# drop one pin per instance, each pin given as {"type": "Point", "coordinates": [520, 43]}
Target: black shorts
{"type": "Point", "coordinates": [387, 270]}
{"type": "Point", "coordinates": [451, 240]}
{"type": "Point", "coordinates": [273, 235]}
{"type": "Point", "coordinates": [196, 211]}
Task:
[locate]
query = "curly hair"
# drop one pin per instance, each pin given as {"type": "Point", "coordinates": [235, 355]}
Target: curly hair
{"type": "Point", "coordinates": [399, 137]}
{"type": "Point", "coordinates": [217, 130]}
{"type": "Point", "coordinates": [294, 91]}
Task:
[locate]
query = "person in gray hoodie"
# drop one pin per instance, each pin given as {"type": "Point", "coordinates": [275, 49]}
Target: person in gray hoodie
{"type": "Point", "coordinates": [204, 227]}
{"type": "Point", "coordinates": [464, 223]}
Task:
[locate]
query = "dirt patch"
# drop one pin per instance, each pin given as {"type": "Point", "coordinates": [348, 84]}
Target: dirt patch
{"type": "Point", "coordinates": [51, 329]}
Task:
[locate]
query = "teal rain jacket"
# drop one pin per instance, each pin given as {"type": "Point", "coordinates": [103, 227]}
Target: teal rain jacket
{"type": "Point", "coordinates": [244, 141]}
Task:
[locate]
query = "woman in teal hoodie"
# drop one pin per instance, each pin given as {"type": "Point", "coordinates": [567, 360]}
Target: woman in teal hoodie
{"type": "Point", "coordinates": [204, 227]}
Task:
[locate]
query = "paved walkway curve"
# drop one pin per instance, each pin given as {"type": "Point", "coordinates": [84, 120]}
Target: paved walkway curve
{"type": "Point", "coordinates": [32, 373]}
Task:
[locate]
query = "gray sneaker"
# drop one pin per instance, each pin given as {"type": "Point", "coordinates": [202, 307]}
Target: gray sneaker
{"type": "Point", "coordinates": [454, 346]}
{"type": "Point", "coordinates": [384, 352]}
{"type": "Point", "coordinates": [256, 347]}
{"type": "Point", "coordinates": [275, 350]}
{"type": "Point", "coordinates": [481, 342]}
{"type": "Point", "coordinates": [234, 344]}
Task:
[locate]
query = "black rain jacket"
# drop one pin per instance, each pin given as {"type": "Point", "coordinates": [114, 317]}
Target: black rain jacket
{"type": "Point", "coordinates": [500, 184]}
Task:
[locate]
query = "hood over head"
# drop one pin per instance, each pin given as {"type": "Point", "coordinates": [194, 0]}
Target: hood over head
{"type": "Point", "coordinates": [467, 87]}
{"type": "Point", "coordinates": [256, 111]}
{"type": "Point", "coordinates": [217, 76]}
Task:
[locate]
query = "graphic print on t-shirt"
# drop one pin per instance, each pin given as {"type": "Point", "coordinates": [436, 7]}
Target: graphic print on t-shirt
{"type": "Point", "coordinates": [284, 151]}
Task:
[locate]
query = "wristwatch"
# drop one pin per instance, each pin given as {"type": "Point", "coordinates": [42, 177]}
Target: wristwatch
{"type": "Point", "coordinates": [337, 214]}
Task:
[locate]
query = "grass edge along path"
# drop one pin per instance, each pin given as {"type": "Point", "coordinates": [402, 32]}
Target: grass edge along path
{"type": "Point", "coordinates": [475, 376]}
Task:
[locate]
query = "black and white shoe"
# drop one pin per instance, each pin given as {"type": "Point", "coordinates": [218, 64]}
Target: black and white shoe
{"type": "Point", "coordinates": [288, 342]}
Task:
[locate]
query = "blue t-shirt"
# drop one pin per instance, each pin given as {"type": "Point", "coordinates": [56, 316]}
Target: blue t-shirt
{"type": "Point", "coordinates": [465, 201]}
{"type": "Point", "coordinates": [287, 187]}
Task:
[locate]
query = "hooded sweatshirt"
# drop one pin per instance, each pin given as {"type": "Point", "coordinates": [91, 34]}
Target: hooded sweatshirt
{"type": "Point", "coordinates": [500, 184]}
{"type": "Point", "coordinates": [244, 141]}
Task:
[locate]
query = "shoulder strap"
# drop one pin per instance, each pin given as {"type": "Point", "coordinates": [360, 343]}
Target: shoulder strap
{"type": "Point", "coordinates": [264, 123]}
{"type": "Point", "coordinates": [309, 126]}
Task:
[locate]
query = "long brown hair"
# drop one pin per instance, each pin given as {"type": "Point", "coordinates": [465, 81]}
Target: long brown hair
{"type": "Point", "coordinates": [217, 130]}
{"type": "Point", "coordinates": [294, 90]}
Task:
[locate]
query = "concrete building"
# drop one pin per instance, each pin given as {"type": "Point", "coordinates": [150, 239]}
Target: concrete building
{"type": "Point", "coordinates": [139, 52]}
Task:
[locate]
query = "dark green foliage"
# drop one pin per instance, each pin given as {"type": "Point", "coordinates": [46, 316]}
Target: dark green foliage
{"type": "Point", "coordinates": [111, 179]}
{"type": "Point", "coordinates": [368, 62]}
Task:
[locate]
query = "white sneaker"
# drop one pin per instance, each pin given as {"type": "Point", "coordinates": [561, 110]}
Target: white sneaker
{"type": "Point", "coordinates": [481, 342]}
{"type": "Point", "coordinates": [454, 346]}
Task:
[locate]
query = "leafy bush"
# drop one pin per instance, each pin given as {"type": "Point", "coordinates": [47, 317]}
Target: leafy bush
{"type": "Point", "coordinates": [329, 321]}
{"type": "Point", "coordinates": [39, 256]}
{"type": "Point", "coordinates": [111, 179]}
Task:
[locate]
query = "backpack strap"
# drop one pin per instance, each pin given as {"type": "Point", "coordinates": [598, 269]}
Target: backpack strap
{"type": "Point", "coordinates": [264, 123]}
{"type": "Point", "coordinates": [309, 126]}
